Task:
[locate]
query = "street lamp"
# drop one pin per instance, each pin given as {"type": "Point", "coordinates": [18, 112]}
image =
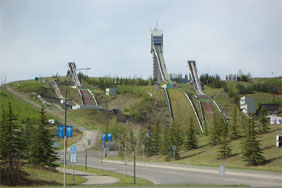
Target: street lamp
{"type": "Point", "coordinates": [65, 130]}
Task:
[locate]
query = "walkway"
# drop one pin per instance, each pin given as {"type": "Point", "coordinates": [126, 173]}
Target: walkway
{"type": "Point", "coordinates": [92, 179]}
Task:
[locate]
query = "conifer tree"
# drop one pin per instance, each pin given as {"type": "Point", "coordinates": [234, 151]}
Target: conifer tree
{"type": "Point", "coordinates": [41, 151]}
{"type": "Point", "coordinates": [251, 151]}
{"type": "Point", "coordinates": [215, 132]}
{"type": "Point", "coordinates": [234, 126]}
{"type": "Point", "coordinates": [156, 140]}
{"type": "Point", "coordinates": [166, 142]}
{"type": "Point", "coordinates": [191, 141]}
{"type": "Point", "coordinates": [175, 138]}
{"type": "Point", "coordinates": [10, 146]}
{"type": "Point", "coordinates": [224, 149]}
{"type": "Point", "coordinates": [263, 121]}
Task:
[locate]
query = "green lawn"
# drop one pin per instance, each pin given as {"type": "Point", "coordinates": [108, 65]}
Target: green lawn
{"type": "Point", "coordinates": [181, 108]}
{"type": "Point", "coordinates": [206, 155]}
{"type": "Point", "coordinates": [124, 180]}
{"type": "Point", "coordinates": [45, 177]}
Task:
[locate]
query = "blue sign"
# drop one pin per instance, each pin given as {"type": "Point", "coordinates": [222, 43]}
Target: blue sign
{"type": "Point", "coordinates": [69, 131]}
{"type": "Point", "coordinates": [73, 149]}
{"type": "Point", "coordinates": [110, 137]}
{"type": "Point", "coordinates": [61, 131]}
{"type": "Point", "coordinates": [104, 137]}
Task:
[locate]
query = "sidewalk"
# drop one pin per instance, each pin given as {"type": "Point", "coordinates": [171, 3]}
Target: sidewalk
{"type": "Point", "coordinates": [92, 179]}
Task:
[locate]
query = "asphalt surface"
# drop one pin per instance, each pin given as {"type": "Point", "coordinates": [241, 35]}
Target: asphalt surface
{"type": "Point", "coordinates": [167, 173]}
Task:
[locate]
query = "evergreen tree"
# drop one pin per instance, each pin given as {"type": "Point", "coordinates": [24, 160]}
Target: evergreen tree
{"type": "Point", "coordinates": [234, 126]}
{"type": "Point", "coordinates": [175, 138]}
{"type": "Point", "coordinates": [215, 132]}
{"type": "Point", "coordinates": [264, 125]}
{"type": "Point", "coordinates": [224, 149]}
{"type": "Point", "coordinates": [10, 146]}
{"type": "Point", "coordinates": [156, 140]}
{"type": "Point", "coordinates": [41, 151]}
{"type": "Point", "coordinates": [251, 151]}
{"type": "Point", "coordinates": [166, 148]}
{"type": "Point", "coordinates": [206, 130]}
{"type": "Point", "coordinates": [191, 141]}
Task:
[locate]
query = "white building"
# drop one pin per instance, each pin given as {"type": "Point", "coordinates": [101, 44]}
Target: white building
{"type": "Point", "coordinates": [247, 105]}
{"type": "Point", "coordinates": [111, 92]}
{"type": "Point", "coordinates": [275, 120]}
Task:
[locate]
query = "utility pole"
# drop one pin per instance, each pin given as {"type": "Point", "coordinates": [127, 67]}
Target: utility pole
{"type": "Point", "coordinates": [107, 129]}
{"type": "Point", "coordinates": [134, 166]}
{"type": "Point", "coordinates": [65, 137]}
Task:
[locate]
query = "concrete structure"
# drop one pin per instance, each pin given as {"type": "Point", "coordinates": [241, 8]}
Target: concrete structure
{"type": "Point", "coordinates": [159, 67]}
{"type": "Point", "coordinates": [247, 105]}
{"type": "Point", "coordinates": [111, 92]}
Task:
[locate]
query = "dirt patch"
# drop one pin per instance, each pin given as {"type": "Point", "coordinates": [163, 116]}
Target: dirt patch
{"type": "Point", "coordinates": [209, 109]}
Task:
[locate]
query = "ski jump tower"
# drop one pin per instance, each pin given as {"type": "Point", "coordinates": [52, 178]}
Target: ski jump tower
{"type": "Point", "coordinates": [159, 69]}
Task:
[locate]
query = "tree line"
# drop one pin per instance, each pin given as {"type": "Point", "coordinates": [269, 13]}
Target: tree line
{"type": "Point", "coordinates": [157, 140]}
{"type": "Point", "coordinates": [29, 144]}
{"type": "Point", "coordinates": [107, 82]}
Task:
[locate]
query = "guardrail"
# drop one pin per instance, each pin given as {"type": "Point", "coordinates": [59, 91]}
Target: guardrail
{"type": "Point", "coordinates": [168, 105]}
{"type": "Point", "coordinates": [194, 109]}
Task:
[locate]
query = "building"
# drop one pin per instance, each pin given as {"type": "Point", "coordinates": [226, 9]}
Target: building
{"type": "Point", "coordinates": [247, 105]}
{"type": "Point", "coordinates": [159, 67]}
{"type": "Point", "coordinates": [111, 92]}
{"type": "Point", "coordinates": [275, 120]}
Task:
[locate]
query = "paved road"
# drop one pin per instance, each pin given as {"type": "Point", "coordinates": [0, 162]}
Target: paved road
{"type": "Point", "coordinates": [165, 173]}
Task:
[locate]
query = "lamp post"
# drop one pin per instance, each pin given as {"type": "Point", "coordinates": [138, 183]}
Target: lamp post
{"type": "Point", "coordinates": [65, 130]}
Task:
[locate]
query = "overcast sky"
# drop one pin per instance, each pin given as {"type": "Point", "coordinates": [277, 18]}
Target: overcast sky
{"type": "Point", "coordinates": [112, 37]}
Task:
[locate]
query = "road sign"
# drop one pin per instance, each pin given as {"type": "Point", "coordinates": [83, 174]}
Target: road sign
{"type": "Point", "coordinates": [73, 149]}
{"type": "Point", "coordinates": [104, 137]}
{"type": "Point", "coordinates": [173, 148]}
{"type": "Point", "coordinates": [69, 131]}
{"type": "Point", "coordinates": [61, 131]}
{"type": "Point", "coordinates": [221, 170]}
{"type": "Point", "coordinates": [73, 158]}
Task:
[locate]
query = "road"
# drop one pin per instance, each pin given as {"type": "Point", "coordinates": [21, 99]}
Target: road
{"type": "Point", "coordinates": [167, 173]}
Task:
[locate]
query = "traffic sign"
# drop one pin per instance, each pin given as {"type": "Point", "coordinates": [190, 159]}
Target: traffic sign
{"type": "Point", "coordinates": [73, 158]}
{"type": "Point", "coordinates": [61, 131]}
{"type": "Point", "coordinates": [73, 149]}
{"type": "Point", "coordinates": [173, 148]}
{"type": "Point", "coordinates": [221, 170]}
{"type": "Point", "coordinates": [104, 137]}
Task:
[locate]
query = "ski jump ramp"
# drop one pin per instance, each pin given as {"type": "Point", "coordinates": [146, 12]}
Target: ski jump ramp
{"type": "Point", "coordinates": [159, 68]}
{"type": "Point", "coordinates": [192, 71]}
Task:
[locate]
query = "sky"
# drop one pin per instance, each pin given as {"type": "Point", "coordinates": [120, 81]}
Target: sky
{"type": "Point", "coordinates": [112, 37]}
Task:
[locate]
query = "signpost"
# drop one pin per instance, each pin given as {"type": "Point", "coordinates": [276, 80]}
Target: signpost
{"type": "Point", "coordinates": [73, 159]}
{"type": "Point", "coordinates": [221, 169]}
{"type": "Point", "coordinates": [174, 149]}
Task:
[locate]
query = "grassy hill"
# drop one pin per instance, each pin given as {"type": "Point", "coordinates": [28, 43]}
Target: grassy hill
{"type": "Point", "coordinates": [139, 109]}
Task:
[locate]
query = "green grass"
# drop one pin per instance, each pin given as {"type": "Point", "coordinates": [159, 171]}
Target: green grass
{"type": "Point", "coordinates": [128, 180]}
{"type": "Point", "coordinates": [46, 177]}
{"type": "Point", "coordinates": [206, 155]}
{"type": "Point", "coordinates": [89, 118]}
{"type": "Point", "coordinates": [35, 176]}
{"type": "Point", "coordinates": [181, 108]}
